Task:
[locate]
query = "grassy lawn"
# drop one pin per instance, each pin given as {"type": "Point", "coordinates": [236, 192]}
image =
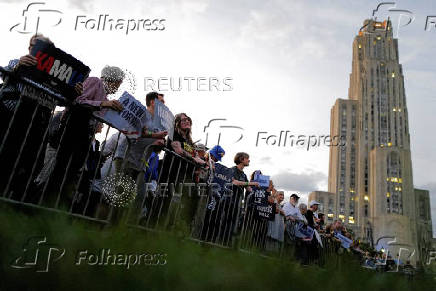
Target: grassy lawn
{"type": "Point", "coordinates": [177, 264]}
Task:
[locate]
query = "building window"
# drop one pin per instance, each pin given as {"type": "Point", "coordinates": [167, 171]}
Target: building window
{"type": "Point", "coordinates": [330, 214]}
{"type": "Point", "coordinates": [422, 212]}
{"type": "Point", "coordinates": [394, 188]}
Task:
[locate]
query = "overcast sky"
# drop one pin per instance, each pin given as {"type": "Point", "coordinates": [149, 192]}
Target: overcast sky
{"type": "Point", "coordinates": [288, 62]}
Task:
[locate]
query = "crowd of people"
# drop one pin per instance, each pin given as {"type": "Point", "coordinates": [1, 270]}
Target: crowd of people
{"type": "Point", "coordinates": [49, 157]}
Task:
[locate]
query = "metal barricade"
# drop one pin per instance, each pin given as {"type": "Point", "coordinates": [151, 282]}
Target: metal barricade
{"type": "Point", "coordinates": [51, 160]}
{"type": "Point", "coordinates": [44, 155]}
{"type": "Point", "coordinates": [162, 203]}
{"type": "Point", "coordinates": [259, 234]}
{"type": "Point", "coordinates": [218, 220]}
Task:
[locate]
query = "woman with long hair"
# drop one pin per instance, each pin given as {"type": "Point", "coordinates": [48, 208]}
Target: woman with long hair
{"type": "Point", "coordinates": [182, 143]}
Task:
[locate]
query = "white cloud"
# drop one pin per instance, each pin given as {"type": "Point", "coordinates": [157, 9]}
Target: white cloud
{"type": "Point", "coordinates": [301, 182]}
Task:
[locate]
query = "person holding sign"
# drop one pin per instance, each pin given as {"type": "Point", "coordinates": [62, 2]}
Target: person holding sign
{"type": "Point", "coordinates": [263, 209]}
{"type": "Point", "coordinates": [141, 149]}
{"type": "Point", "coordinates": [242, 160]}
{"type": "Point", "coordinates": [150, 137]}
{"type": "Point", "coordinates": [10, 92]}
{"type": "Point", "coordinates": [313, 250]}
{"type": "Point", "coordinates": [22, 108]}
{"type": "Point", "coordinates": [231, 204]}
{"type": "Point", "coordinates": [78, 127]}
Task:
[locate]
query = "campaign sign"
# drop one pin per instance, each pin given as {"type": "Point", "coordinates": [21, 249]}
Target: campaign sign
{"type": "Point", "coordinates": [163, 118]}
{"type": "Point", "coordinates": [263, 180]}
{"type": "Point", "coordinates": [303, 231]}
{"type": "Point", "coordinates": [128, 121]}
{"type": "Point", "coordinates": [222, 177]}
{"type": "Point", "coordinates": [262, 208]}
{"type": "Point", "coordinates": [55, 70]}
{"type": "Point", "coordinates": [345, 241]}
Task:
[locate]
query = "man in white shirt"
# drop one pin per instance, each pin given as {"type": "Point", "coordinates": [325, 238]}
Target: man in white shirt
{"type": "Point", "coordinates": [290, 208]}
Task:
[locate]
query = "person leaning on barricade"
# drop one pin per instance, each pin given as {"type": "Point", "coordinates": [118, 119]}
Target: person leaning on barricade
{"type": "Point", "coordinates": [296, 221]}
{"type": "Point", "coordinates": [321, 223]}
{"type": "Point", "coordinates": [303, 242]}
{"type": "Point", "coordinates": [140, 149]}
{"type": "Point", "coordinates": [240, 180]}
{"type": "Point", "coordinates": [313, 221]}
{"type": "Point", "coordinates": [201, 172]}
{"type": "Point", "coordinates": [18, 114]}
{"type": "Point", "coordinates": [290, 208]}
{"type": "Point", "coordinates": [232, 202]}
{"type": "Point", "coordinates": [338, 228]}
{"type": "Point", "coordinates": [89, 190]}
{"type": "Point", "coordinates": [182, 143]}
{"type": "Point", "coordinates": [249, 199]}
{"type": "Point", "coordinates": [178, 166]}
{"type": "Point", "coordinates": [211, 222]}
{"type": "Point", "coordinates": [77, 129]}
{"type": "Point", "coordinates": [276, 228]}
{"type": "Point", "coordinates": [211, 157]}
{"type": "Point", "coordinates": [136, 160]}
{"type": "Point", "coordinates": [260, 226]}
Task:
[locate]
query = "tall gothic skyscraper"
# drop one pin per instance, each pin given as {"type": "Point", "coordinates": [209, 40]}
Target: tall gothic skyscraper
{"type": "Point", "coordinates": [372, 175]}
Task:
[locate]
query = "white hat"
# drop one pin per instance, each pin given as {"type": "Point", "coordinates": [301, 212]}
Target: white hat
{"type": "Point", "coordinates": [313, 202]}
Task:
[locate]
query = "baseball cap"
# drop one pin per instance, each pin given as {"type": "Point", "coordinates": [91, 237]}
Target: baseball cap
{"type": "Point", "coordinates": [295, 196]}
{"type": "Point", "coordinates": [313, 202]}
{"type": "Point", "coordinates": [217, 152]}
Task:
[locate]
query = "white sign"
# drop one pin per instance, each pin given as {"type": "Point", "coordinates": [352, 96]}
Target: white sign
{"type": "Point", "coordinates": [128, 121]}
{"type": "Point", "coordinates": [163, 118]}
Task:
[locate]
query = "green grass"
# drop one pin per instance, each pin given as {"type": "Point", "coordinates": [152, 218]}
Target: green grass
{"type": "Point", "coordinates": [189, 266]}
